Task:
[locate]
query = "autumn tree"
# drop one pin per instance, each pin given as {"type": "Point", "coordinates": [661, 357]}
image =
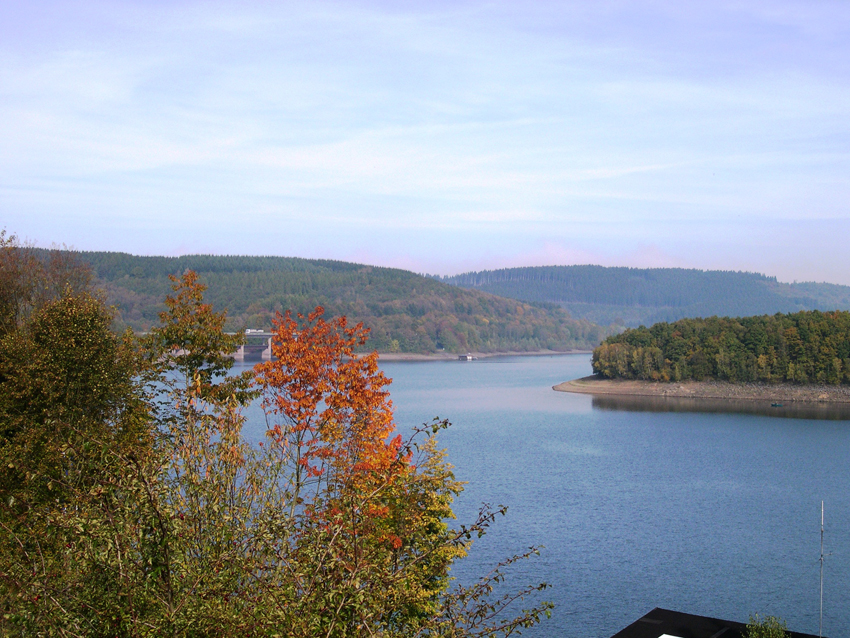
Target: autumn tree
{"type": "Point", "coordinates": [169, 522]}
{"type": "Point", "coordinates": [369, 508]}
{"type": "Point", "coordinates": [352, 488]}
{"type": "Point", "coordinates": [190, 345]}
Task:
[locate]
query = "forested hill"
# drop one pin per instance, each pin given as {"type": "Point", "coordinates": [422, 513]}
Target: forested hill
{"type": "Point", "coordinates": [803, 347]}
{"type": "Point", "coordinates": [405, 311]}
{"type": "Point", "coordinates": [635, 296]}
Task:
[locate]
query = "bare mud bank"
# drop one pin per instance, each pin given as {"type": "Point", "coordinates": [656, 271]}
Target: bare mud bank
{"type": "Point", "coordinates": [780, 393]}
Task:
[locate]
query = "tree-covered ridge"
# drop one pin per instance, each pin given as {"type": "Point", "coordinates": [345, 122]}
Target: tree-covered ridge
{"type": "Point", "coordinates": [803, 347]}
{"type": "Point", "coordinates": [635, 296]}
{"type": "Point", "coordinates": [406, 312]}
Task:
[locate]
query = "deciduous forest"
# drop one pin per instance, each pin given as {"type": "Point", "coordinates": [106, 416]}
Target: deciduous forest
{"type": "Point", "coordinates": [405, 312]}
{"type": "Point", "coordinates": [802, 347]}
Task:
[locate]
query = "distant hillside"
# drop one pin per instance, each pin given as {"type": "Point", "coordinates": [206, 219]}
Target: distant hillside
{"type": "Point", "coordinates": [636, 296]}
{"type": "Point", "coordinates": [406, 312]}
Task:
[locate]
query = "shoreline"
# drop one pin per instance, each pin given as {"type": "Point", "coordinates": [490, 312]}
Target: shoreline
{"type": "Point", "coordinates": [782, 393]}
{"type": "Point", "coordinates": [447, 356]}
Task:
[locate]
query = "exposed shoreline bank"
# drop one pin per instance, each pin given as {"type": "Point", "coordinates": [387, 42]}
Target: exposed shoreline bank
{"type": "Point", "coordinates": [447, 356]}
{"type": "Point", "coordinates": [780, 393]}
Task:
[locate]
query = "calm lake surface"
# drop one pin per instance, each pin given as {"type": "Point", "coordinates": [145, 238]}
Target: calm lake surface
{"type": "Point", "coordinates": [640, 505]}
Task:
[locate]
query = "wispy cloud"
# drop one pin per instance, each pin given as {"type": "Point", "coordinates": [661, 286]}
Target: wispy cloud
{"type": "Point", "coordinates": [342, 122]}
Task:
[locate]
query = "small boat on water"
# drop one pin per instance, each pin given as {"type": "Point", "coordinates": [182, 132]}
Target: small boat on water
{"type": "Point", "coordinates": [776, 405]}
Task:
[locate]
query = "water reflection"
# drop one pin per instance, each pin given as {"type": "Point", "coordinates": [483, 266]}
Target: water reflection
{"type": "Point", "coordinates": [796, 410]}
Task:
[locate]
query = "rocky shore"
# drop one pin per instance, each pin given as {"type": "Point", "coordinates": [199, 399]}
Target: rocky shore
{"type": "Point", "coordinates": [780, 393]}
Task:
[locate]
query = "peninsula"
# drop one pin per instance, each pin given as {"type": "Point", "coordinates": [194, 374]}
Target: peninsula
{"type": "Point", "coordinates": [803, 356]}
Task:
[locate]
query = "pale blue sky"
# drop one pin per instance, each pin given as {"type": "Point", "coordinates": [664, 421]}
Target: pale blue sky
{"type": "Point", "coordinates": [435, 136]}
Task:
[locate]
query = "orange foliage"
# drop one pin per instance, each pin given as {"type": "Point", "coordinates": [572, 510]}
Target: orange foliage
{"type": "Point", "coordinates": [334, 414]}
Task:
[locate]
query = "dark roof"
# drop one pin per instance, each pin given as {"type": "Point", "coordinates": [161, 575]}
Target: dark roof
{"type": "Point", "coordinates": [660, 622]}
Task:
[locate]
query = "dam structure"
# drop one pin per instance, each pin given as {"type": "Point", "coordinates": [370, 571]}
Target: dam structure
{"type": "Point", "coordinates": [257, 342]}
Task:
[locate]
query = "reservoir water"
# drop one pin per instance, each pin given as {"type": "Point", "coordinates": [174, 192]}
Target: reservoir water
{"type": "Point", "coordinates": [639, 505]}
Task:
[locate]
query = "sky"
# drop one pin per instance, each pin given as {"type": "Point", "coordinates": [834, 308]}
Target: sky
{"type": "Point", "coordinates": [440, 137]}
